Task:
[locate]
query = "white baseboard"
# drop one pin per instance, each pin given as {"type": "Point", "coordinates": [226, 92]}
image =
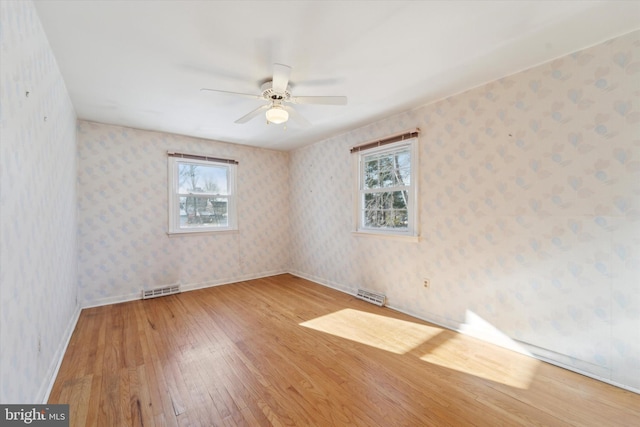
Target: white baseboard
{"type": "Point", "coordinates": [209, 284]}
{"type": "Point", "coordinates": [52, 372]}
{"type": "Point", "coordinates": [600, 374]}
{"type": "Point", "coordinates": [183, 288]}
{"type": "Point", "coordinates": [321, 281]}
{"type": "Point", "coordinates": [111, 300]}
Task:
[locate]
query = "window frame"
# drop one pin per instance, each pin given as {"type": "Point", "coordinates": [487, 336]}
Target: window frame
{"type": "Point", "coordinates": [411, 232]}
{"type": "Point", "coordinates": [175, 195]}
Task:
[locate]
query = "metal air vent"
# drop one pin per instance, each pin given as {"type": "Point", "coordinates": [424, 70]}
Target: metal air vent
{"type": "Point", "coordinates": [159, 292]}
{"type": "Point", "coordinates": [372, 297]}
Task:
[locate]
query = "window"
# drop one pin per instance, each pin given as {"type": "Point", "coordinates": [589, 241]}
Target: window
{"type": "Point", "coordinates": [202, 194]}
{"type": "Point", "coordinates": [387, 192]}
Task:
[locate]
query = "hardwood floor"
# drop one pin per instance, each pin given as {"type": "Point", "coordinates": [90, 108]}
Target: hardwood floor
{"type": "Point", "coordinates": [284, 351]}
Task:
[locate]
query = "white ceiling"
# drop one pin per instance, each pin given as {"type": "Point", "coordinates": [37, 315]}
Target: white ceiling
{"type": "Point", "coordinates": [141, 63]}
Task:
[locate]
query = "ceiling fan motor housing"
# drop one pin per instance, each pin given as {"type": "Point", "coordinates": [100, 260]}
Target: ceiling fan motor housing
{"type": "Point", "coordinates": [269, 94]}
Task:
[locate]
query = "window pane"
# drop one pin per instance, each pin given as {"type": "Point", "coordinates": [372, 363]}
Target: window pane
{"type": "Point", "coordinates": [403, 159]}
{"type": "Point", "coordinates": [387, 170]}
{"type": "Point", "coordinates": [386, 210]}
{"type": "Point", "coordinates": [394, 200]}
{"type": "Point", "coordinates": [386, 218]}
{"type": "Point", "coordinates": [198, 211]}
{"type": "Point", "coordinates": [372, 201]}
{"type": "Point", "coordinates": [387, 175]}
{"type": "Point", "coordinates": [403, 177]}
{"type": "Point", "coordinates": [198, 178]}
{"type": "Point", "coordinates": [397, 219]}
{"type": "Point", "coordinates": [371, 178]}
{"type": "Point", "coordinates": [401, 167]}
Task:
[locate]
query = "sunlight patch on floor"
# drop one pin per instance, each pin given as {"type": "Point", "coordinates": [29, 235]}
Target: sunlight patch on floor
{"type": "Point", "coordinates": [385, 333]}
{"type": "Point", "coordinates": [485, 359]}
{"type": "Point", "coordinates": [457, 353]}
{"type": "Point", "coordinates": [446, 348]}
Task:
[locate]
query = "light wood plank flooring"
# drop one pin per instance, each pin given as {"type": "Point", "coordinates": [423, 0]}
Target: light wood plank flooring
{"type": "Point", "coordinates": [283, 351]}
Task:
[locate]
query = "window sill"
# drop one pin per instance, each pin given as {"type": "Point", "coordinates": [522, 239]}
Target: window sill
{"type": "Point", "coordinates": [387, 236]}
{"type": "Point", "coordinates": [200, 233]}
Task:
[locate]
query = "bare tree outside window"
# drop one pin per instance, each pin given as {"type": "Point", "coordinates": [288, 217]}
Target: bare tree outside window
{"type": "Point", "coordinates": [385, 198]}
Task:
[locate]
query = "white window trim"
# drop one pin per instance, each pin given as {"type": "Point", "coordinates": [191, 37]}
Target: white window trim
{"type": "Point", "coordinates": [412, 232]}
{"type": "Point", "coordinates": [174, 209]}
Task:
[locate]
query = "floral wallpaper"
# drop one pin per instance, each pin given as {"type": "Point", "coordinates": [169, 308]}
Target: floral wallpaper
{"type": "Point", "coordinates": [529, 200]}
{"type": "Point", "coordinates": [38, 250]}
{"type": "Point", "coordinates": [122, 199]}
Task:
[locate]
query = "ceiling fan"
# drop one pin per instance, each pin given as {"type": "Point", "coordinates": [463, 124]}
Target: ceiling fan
{"type": "Point", "coordinates": [277, 93]}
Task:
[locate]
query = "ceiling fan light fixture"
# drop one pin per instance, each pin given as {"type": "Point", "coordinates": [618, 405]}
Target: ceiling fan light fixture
{"type": "Point", "coordinates": [276, 114]}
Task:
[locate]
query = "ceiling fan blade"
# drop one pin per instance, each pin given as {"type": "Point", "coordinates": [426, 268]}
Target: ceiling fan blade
{"type": "Point", "coordinates": [324, 100]}
{"type": "Point", "coordinates": [297, 117]}
{"type": "Point", "coordinates": [252, 114]}
{"type": "Point", "coordinates": [281, 74]}
{"type": "Point", "coordinates": [246, 95]}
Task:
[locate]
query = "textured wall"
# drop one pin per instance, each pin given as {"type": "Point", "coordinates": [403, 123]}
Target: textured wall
{"type": "Point", "coordinates": [529, 211]}
{"type": "Point", "coordinates": [38, 251]}
{"type": "Point", "coordinates": [122, 196]}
